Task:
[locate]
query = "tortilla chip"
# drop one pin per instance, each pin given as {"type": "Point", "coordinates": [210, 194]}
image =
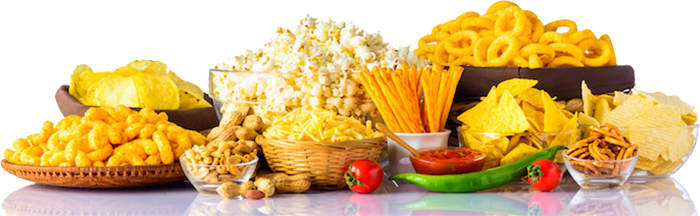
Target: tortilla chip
{"type": "Point", "coordinates": [479, 113]}
{"type": "Point", "coordinates": [519, 152]}
{"type": "Point", "coordinates": [534, 115]}
{"type": "Point", "coordinates": [554, 118]}
{"type": "Point", "coordinates": [532, 96]}
{"type": "Point", "coordinates": [601, 110]}
{"type": "Point", "coordinates": [493, 157]}
{"type": "Point", "coordinates": [589, 100]}
{"type": "Point", "coordinates": [507, 117]}
{"type": "Point", "coordinates": [515, 86]}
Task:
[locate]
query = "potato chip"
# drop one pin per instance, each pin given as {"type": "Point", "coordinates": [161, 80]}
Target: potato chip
{"type": "Point", "coordinates": [653, 142]}
{"type": "Point", "coordinates": [115, 91]}
{"type": "Point", "coordinates": [75, 87]}
{"type": "Point", "coordinates": [646, 164]}
{"type": "Point", "coordinates": [690, 118]}
{"type": "Point", "coordinates": [515, 86]}
{"type": "Point", "coordinates": [191, 96]}
{"type": "Point", "coordinates": [622, 115]}
{"type": "Point", "coordinates": [668, 100]}
{"type": "Point", "coordinates": [554, 119]}
{"type": "Point", "coordinates": [665, 167]}
{"type": "Point", "coordinates": [507, 117]}
{"type": "Point", "coordinates": [148, 66]}
{"type": "Point", "coordinates": [519, 152]}
{"type": "Point", "coordinates": [589, 100]}
{"type": "Point", "coordinates": [156, 91]}
{"type": "Point", "coordinates": [601, 110]}
{"type": "Point", "coordinates": [619, 98]}
{"type": "Point", "coordinates": [682, 146]}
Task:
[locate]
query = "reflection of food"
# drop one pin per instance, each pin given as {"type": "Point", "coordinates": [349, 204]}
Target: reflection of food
{"type": "Point", "coordinates": [466, 202]}
{"type": "Point", "coordinates": [38, 199]}
{"type": "Point", "coordinates": [599, 202]}
{"type": "Point", "coordinates": [661, 125]}
{"type": "Point", "coordinates": [660, 198]}
{"type": "Point", "coordinates": [327, 203]}
{"type": "Point", "coordinates": [516, 120]}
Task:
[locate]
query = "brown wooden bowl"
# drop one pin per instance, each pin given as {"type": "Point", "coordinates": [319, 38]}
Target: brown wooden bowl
{"type": "Point", "coordinates": [98, 177]}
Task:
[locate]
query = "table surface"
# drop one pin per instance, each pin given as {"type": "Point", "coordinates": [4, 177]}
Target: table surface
{"type": "Point", "coordinates": [663, 197]}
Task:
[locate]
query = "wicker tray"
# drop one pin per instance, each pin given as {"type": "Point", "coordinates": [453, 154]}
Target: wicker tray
{"type": "Point", "coordinates": [324, 162]}
{"type": "Point", "coordinates": [98, 177]}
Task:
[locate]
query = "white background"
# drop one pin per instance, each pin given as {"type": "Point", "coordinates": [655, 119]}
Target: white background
{"type": "Point", "coordinates": [41, 42]}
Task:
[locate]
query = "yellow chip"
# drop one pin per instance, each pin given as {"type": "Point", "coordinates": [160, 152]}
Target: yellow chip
{"type": "Point", "coordinates": [520, 152]}
{"type": "Point", "coordinates": [493, 157]}
{"type": "Point", "coordinates": [587, 120]}
{"type": "Point", "coordinates": [507, 117]}
{"type": "Point", "coordinates": [114, 91]}
{"type": "Point", "coordinates": [532, 96]}
{"type": "Point", "coordinates": [502, 144]}
{"type": "Point", "coordinates": [601, 110]}
{"type": "Point", "coordinates": [668, 100]}
{"type": "Point", "coordinates": [479, 113]}
{"type": "Point", "coordinates": [589, 100]}
{"type": "Point", "coordinates": [619, 98]}
{"type": "Point", "coordinates": [654, 141]}
{"type": "Point", "coordinates": [191, 96]}
{"type": "Point", "coordinates": [567, 136]}
{"type": "Point", "coordinates": [554, 118]}
{"type": "Point", "coordinates": [682, 146]}
{"type": "Point", "coordinates": [534, 115]}
{"type": "Point", "coordinates": [622, 115]}
{"type": "Point", "coordinates": [646, 164]}
{"type": "Point", "coordinates": [665, 167]}
{"type": "Point", "coordinates": [472, 142]}
{"type": "Point", "coordinates": [156, 91]}
{"type": "Point", "coordinates": [515, 86]}
{"type": "Point", "coordinates": [690, 118]}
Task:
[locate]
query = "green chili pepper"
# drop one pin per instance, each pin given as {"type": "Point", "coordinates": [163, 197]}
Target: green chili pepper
{"type": "Point", "coordinates": [467, 202]}
{"type": "Point", "coordinates": [476, 181]}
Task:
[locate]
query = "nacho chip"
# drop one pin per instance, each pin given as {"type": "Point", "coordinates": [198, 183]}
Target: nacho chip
{"type": "Point", "coordinates": [587, 120]}
{"type": "Point", "coordinates": [493, 157]}
{"type": "Point", "coordinates": [601, 110]}
{"type": "Point", "coordinates": [502, 144]}
{"type": "Point", "coordinates": [532, 96]}
{"type": "Point", "coordinates": [156, 91]}
{"type": "Point", "coordinates": [652, 140]}
{"type": "Point", "coordinates": [515, 86]}
{"type": "Point", "coordinates": [479, 113]}
{"type": "Point", "coordinates": [622, 115]}
{"type": "Point", "coordinates": [589, 100]}
{"type": "Point", "coordinates": [554, 118]}
{"type": "Point", "coordinates": [519, 152]}
{"type": "Point", "coordinates": [668, 100]}
{"type": "Point", "coordinates": [534, 115]}
{"type": "Point", "coordinates": [682, 146]}
{"type": "Point", "coordinates": [507, 117]}
{"type": "Point", "coordinates": [567, 136]}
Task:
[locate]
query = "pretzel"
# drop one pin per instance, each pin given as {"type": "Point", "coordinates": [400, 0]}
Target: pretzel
{"type": "Point", "coordinates": [604, 147]}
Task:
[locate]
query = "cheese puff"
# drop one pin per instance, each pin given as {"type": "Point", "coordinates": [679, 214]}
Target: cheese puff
{"type": "Point", "coordinates": [66, 164]}
{"type": "Point", "coordinates": [54, 144]}
{"type": "Point", "coordinates": [73, 146]}
{"type": "Point", "coordinates": [119, 126]}
{"type": "Point", "coordinates": [134, 130]}
{"type": "Point", "coordinates": [197, 138]}
{"type": "Point", "coordinates": [31, 155]}
{"type": "Point", "coordinates": [20, 144]}
{"type": "Point", "coordinates": [41, 137]}
{"type": "Point", "coordinates": [16, 156]}
{"type": "Point", "coordinates": [81, 160]}
{"type": "Point", "coordinates": [163, 125]}
{"type": "Point", "coordinates": [97, 139]}
{"type": "Point", "coordinates": [163, 116]}
{"type": "Point", "coordinates": [98, 164]}
{"type": "Point", "coordinates": [94, 113]}
{"type": "Point", "coordinates": [131, 148]}
{"type": "Point", "coordinates": [183, 144]}
{"type": "Point", "coordinates": [57, 158]}
{"type": "Point", "coordinates": [166, 152]}
{"type": "Point", "coordinates": [45, 158]}
{"type": "Point", "coordinates": [68, 122]}
{"type": "Point", "coordinates": [101, 153]}
{"type": "Point", "coordinates": [153, 160]}
{"type": "Point", "coordinates": [123, 110]}
{"type": "Point", "coordinates": [133, 119]}
{"type": "Point", "coordinates": [125, 158]}
{"type": "Point", "coordinates": [149, 115]}
{"type": "Point", "coordinates": [147, 131]}
{"type": "Point", "coordinates": [148, 145]}
{"type": "Point", "coordinates": [173, 131]}
{"type": "Point", "coordinates": [115, 136]}
{"type": "Point", "coordinates": [74, 132]}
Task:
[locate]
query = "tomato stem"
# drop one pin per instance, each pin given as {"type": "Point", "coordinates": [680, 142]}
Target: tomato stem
{"type": "Point", "coordinates": [351, 180]}
{"type": "Point", "coordinates": [534, 172]}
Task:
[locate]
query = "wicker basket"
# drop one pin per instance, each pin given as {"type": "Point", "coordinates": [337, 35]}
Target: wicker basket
{"type": "Point", "coordinates": [98, 177]}
{"type": "Point", "coordinates": [324, 162]}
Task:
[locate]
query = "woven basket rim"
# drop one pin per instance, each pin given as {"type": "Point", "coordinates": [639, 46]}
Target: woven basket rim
{"type": "Point", "coordinates": [77, 170]}
{"type": "Point", "coordinates": [363, 143]}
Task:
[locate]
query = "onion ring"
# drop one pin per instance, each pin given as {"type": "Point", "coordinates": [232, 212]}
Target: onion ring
{"type": "Point", "coordinates": [544, 52]}
{"type": "Point", "coordinates": [512, 50]}
{"type": "Point", "coordinates": [562, 49]}
{"type": "Point", "coordinates": [476, 23]}
{"type": "Point", "coordinates": [553, 37]}
{"type": "Point", "coordinates": [596, 61]}
{"type": "Point", "coordinates": [518, 61]}
{"type": "Point", "coordinates": [613, 59]}
{"type": "Point", "coordinates": [440, 56]}
{"type": "Point", "coordinates": [469, 14]}
{"type": "Point", "coordinates": [426, 43]}
{"type": "Point", "coordinates": [534, 61]}
{"type": "Point", "coordinates": [579, 36]}
{"type": "Point", "coordinates": [555, 25]}
{"type": "Point", "coordinates": [465, 61]}
{"type": "Point", "coordinates": [564, 61]}
{"type": "Point", "coordinates": [486, 32]}
{"type": "Point", "coordinates": [454, 43]}
{"type": "Point", "coordinates": [481, 49]}
{"type": "Point", "coordinates": [521, 28]}
{"type": "Point", "coordinates": [498, 6]}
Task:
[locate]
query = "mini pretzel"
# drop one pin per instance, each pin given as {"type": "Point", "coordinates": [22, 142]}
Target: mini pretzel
{"type": "Point", "coordinates": [605, 143]}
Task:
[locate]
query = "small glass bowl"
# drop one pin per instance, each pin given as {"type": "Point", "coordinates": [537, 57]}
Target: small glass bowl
{"type": "Point", "coordinates": [436, 167]}
{"type": "Point", "coordinates": [607, 174]}
{"type": "Point", "coordinates": [206, 178]}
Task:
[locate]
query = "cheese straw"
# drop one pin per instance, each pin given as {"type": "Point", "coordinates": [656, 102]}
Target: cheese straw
{"type": "Point", "coordinates": [412, 99]}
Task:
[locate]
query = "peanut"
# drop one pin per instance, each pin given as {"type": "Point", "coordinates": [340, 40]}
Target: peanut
{"type": "Point", "coordinates": [254, 194]}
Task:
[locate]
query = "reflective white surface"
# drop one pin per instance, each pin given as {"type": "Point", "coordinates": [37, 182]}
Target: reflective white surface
{"type": "Point", "coordinates": [665, 197]}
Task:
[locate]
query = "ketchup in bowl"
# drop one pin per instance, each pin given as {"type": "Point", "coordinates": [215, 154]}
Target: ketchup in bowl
{"type": "Point", "coordinates": [448, 161]}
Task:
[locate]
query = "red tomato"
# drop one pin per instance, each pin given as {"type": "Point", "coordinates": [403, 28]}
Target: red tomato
{"type": "Point", "coordinates": [363, 205]}
{"type": "Point", "coordinates": [544, 203]}
{"type": "Point", "coordinates": [544, 175]}
{"type": "Point", "coordinates": [364, 176]}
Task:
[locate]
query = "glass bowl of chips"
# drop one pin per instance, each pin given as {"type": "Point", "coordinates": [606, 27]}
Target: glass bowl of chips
{"type": "Point", "coordinates": [504, 148]}
{"type": "Point", "coordinates": [599, 173]}
{"type": "Point", "coordinates": [206, 178]}
{"type": "Point", "coordinates": [662, 150]}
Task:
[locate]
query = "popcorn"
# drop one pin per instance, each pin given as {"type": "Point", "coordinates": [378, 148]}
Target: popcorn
{"type": "Point", "coordinates": [312, 66]}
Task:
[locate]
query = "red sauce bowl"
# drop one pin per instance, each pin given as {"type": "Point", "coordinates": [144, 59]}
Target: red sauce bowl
{"type": "Point", "coordinates": [441, 161]}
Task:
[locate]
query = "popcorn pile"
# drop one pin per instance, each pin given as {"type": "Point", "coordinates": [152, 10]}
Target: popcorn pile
{"type": "Point", "coordinates": [315, 66]}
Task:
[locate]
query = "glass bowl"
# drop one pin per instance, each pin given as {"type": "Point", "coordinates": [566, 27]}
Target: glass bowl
{"type": "Point", "coordinates": [498, 145]}
{"type": "Point", "coordinates": [669, 147]}
{"type": "Point", "coordinates": [442, 166]}
{"type": "Point", "coordinates": [606, 173]}
{"type": "Point", "coordinates": [206, 178]}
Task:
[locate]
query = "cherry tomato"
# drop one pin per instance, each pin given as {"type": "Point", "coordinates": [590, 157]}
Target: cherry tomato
{"type": "Point", "coordinates": [363, 205]}
{"type": "Point", "coordinates": [544, 175]}
{"type": "Point", "coordinates": [364, 176]}
{"type": "Point", "coordinates": [544, 203]}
